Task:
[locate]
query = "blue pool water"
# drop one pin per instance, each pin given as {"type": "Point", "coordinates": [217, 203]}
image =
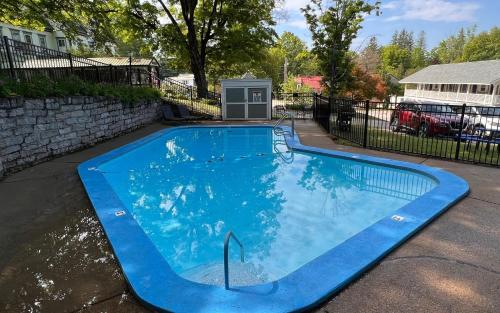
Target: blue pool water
{"type": "Point", "coordinates": [189, 187]}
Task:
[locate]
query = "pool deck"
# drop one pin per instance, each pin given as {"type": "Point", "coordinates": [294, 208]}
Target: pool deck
{"type": "Point", "coordinates": [55, 257]}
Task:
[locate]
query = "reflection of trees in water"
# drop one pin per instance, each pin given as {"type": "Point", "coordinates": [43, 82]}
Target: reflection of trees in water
{"type": "Point", "coordinates": [188, 206]}
{"type": "Point", "coordinates": [336, 175]}
{"type": "Point", "coordinates": [330, 175]}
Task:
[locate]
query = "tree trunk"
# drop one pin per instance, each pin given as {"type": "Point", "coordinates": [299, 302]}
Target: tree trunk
{"type": "Point", "coordinates": [200, 78]}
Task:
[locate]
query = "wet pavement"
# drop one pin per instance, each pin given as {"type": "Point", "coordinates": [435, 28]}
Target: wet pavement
{"type": "Point", "coordinates": [55, 257]}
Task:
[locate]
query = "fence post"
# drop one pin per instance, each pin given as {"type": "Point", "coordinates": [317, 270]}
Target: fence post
{"type": "Point", "coordinates": [315, 100]}
{"type": "Point", "coordinates": [329, 114]}
{"type": "Point", "coordinates": [365, 132]}
{"type": "Point", "coordinates": [191, 97]}
{"type": "Point", "coordinates": [9, 57]}
{"type": "Point", "coordinates": [70, 57]}
{"type": "Point", "coordinates": [459, 139]}
{"type": "Point", "coordinates": [110, 73]}
{"type": "Point", "coordinates": [130, 70]}
{"type": "Point", "coordinates": [97, 74]}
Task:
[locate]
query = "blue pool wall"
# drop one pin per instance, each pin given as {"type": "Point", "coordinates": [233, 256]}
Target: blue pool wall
{"type": "Point", "coordinates": [158, 287]}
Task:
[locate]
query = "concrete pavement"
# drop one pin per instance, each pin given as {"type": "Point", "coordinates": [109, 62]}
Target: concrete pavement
{"type": "Point", "coordinates": [55, 257]}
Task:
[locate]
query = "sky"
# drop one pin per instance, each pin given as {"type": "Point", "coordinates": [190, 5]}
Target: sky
{"type": "Point", "coordinates": [438, 18]}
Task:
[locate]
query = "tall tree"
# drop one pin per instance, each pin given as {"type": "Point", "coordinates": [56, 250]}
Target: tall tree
{"type": "Point", "coordinates": [333, 29]}
{"type": "Point", "coordinates": [403, 39]}
{"type": "Point", "coordinates": [421, 41]}
{"type": "Point", "coordinates": [395, 60]}
{"type": "Point", "coordinates": [451, 49]}
{"type": "Point", "coordinates": [484, 46]}
{"type": "Point", "coordinates": [73, 17]}
{"type": "Point", "coordinates": [225, 31]}
{"type": "Point", "coordinates": [369, 58]}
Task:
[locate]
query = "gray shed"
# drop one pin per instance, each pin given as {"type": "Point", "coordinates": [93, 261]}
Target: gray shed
{"type": "Point", "coordinates": [246, 99]}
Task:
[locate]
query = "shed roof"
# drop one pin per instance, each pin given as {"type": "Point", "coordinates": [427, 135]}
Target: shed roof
{"type": "Point", "coordinates": [480, 72]}
{"type": "Point", "coordinates": [124, 61]}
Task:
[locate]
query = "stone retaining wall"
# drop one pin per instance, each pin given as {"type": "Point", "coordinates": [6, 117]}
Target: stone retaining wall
{"type": "Point", "coordinates": [33, 130]}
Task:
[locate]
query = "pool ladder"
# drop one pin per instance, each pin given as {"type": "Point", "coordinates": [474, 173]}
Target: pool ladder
{"type": "Point", "coordinates": [278, 130]}
{"type": "Point", "coordinates": [230, 235]}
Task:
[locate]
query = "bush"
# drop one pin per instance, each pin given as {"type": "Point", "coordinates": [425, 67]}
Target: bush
{"type": "Point", "coordinates": [44, 87]}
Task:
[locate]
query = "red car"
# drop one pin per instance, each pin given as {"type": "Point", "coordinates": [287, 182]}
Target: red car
{"type": "Point", "coordinates": [426, 119]}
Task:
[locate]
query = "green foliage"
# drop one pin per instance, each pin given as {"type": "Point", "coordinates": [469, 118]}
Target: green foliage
{"type": "Point", "coordinates": [43, 87]}
{"type": "Point", "coordinates": [207, 36]}
{"type": "Point", "coordinates": [290, 86]}
{"type": "Point", "coordinates": [485, 46]}
{"type": "Point", "coordinates": [333, 29]}
{"type": "Point", "coordinates": [451, 49]}
{"type": "Point", "coordinates": [288, 47]}
{"type": "Point", "coordinates": [73, 17]}
{"type": "Point", "coordinates": [395, 60]}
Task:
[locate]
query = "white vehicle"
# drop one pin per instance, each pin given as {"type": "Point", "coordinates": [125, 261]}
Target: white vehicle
{"type": "Point", "coordinates": [484, 120]}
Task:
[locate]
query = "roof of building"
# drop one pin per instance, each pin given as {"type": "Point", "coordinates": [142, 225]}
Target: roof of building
{"type": "Point", "coordinates": [124, 61]}
{"type": "Point", "coordinates": [311, 81]}
{"type": "Point", "coordinates": [480, 72]}
{"type": "Point", "coordinates": [84, 62]}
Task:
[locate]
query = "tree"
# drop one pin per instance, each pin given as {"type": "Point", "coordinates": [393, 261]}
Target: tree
{"type": "Point", "coordinates": [288, 46]}
{"type": "Point", "coordinates": [291, 86]}
{"type": "Point", "coordinates": [224, 31]}
{"type": "Point", "coordinates": [451, 49]}
{"type": "Point", "coordinates": [369, 58]}
{"type": "Point", "coordinates": [395, 60]}
{"type": "Point", "coordinates": [300, 60]}
{"type": "Point", "coordinates": [421, 41]}
{"type": "Point", "coordinates": [485, 46]}
{"type": "Point", "coordinates": [403, 39]}
{"type": "Point", "coordinates": [73, 17]}
{"type": "Point", "coordinates": [333, 29]}
{"type": "Point", "coordinates": [365, 85]}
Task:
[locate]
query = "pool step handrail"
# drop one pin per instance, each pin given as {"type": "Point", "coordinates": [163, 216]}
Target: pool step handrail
{"type": "Point", "coordinates": [285, 159]}
{"type": "Point", "coordinates": [278, 130]}
{"type": "Point", "coordinates": [230, 235]}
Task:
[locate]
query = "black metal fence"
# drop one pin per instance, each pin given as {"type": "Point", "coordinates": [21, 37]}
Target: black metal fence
{"type": "Point", "coordinates": [26, 62]}
{"type": "Point", "coordinates": [461, 132]}
{"type": "Point", "coordinates": [178, 93]}
{"type": "Point", "coordinates": [298, 104]}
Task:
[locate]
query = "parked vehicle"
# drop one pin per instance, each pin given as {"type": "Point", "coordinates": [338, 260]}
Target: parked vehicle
{"type": "Point", "coordinates": [427, 119]}
{"type": "Point", "coordinates": [483, 121]}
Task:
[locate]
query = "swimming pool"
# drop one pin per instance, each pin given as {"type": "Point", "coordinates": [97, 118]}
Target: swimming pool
{"type": "Point", "coordinates": [310, 219]}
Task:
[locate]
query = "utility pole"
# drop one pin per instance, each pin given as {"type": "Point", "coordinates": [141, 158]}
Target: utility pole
{"type": "Point", "coordinates": [285, 70]}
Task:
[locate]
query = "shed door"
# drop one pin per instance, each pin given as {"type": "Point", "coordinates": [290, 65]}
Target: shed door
{"type": "Point", "coordinates": [257, 102]}
{"type": "Point", "coordinates": [235, 103]}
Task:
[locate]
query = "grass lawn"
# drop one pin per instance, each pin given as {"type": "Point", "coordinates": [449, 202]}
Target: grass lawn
{"type": "Point", "coordinates": [411, 144]}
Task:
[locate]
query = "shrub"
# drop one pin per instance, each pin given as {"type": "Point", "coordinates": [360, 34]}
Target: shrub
{"type": "Point", "coordinates": [44, 87]}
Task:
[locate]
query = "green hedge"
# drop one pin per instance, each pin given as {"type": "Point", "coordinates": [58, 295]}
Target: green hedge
{"type": "Point", "coordinates": [43, 87]}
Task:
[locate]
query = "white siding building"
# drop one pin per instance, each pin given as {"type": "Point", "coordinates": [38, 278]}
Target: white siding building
{"type": "Point", "coordinates": [186, 79]}
{"type": "Point", "coordinates": [52, 39]}
{"type": "Point", "coordinates": [475, 83]}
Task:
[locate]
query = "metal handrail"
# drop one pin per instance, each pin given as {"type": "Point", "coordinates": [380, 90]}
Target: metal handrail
{"type": "Point", "coordinates": [281, 119]}
{"type": "Point", "coordinates": [288, 160]}
{"type": "Point", "coordinates": [230, 235]}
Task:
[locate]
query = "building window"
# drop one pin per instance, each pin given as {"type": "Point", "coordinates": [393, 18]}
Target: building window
{"type": "Point", "coordinates": [498, 90]}
{"type": "Point", "coordinates": [482, 89]}
{"type": "Point", "coordinates": [452, 88]}
{"type": "Point", "coordinates": [61, 42]}
{"type": "Point", "coordinates": [473, 89]}
{"type": "Point", "coordinates": [28, 38]}
{"type": "Point", "coordinates": [16, 35]}
{"type": "Point", "coordinates": [42, 40]}
{"type": "Point", "coordinates": [463, 88]}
